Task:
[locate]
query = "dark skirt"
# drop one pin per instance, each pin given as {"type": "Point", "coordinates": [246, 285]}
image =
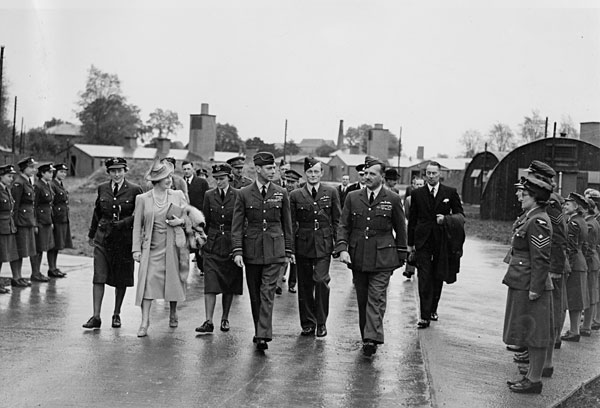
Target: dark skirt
{"type": "Point", "coordinates": [112, 267]}
{"type": "Point", "coordinates": [577, 291]}
{"type": "Point", "coordinates": [558, 302]}
{"type": "Point", "coordinates": [8, 248]}
{"type": "Point", "coordinates": [528, 323]}
{"type": "Point", "coordinates": [593, 287]}
{"type": "Point", "coordinates": [25, 242]}
{"type": "Point", "coordinates": [44, 239]}
{"type": "Point", "coordinates": [62, 236]}
{"type": "Point", "coordinates": [222, 275]}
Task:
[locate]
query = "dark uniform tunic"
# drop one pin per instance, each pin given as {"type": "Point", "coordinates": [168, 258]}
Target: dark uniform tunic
{"type": "Point", "coordinates": [590, 251]}
{"type": "Point", "coordinates": [529, 323]}
{"type": "Point", "coordinates": [239, 182]}
{"type": "Point", "coordinates": [112, 229]}
{"type": "Point", "coordinates": [315, 222]}
{"type": "Point", "coordinates": [60, 217]}
{"type": "Point", "coordinates": [366, 231]}
{"type": "Point", "coordinates": [222, 275]}
{"type": "Point", "coordinates": [44, 196]}
{"type": "Point", "coordinates": [8, 229]}
{"type": "Point", "coordinates": [577, 291]}
{"type": "Point", "coordinates": [558, 256]}
{"type": "Point", "coordinates": [261, 232]}
{"type": "Point", "coordinates": [24, 196]}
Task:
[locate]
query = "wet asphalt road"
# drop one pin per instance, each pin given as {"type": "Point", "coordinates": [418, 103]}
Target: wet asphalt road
{"type": "Point", "coordinates": [48, 360]}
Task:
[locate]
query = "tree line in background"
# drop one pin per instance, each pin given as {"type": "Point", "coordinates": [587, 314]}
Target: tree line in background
{"type": "Point", "coordinates": [501, 138]}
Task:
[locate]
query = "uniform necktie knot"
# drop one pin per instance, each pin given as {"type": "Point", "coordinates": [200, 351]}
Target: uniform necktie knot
{"type": "Point", "coordinates": [371, 197]}
{"type": "Point", "coordinates": [314, 193]}
{"type": "Point", "coordinates": [115, 190]}
{"type": "Point", "coordinates": [222, 195]}
{"type": "Point", "coordinates": [264, 191]}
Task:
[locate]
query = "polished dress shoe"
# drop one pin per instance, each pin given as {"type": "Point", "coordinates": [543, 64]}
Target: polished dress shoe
{"type": "Point", "coordinates": [369, 348]}
{"type": "Point", "coordinates": [224, 325]}
{"type": "Point", "coordinates": [173, 321]}
{"type": "Point", "coordinates": [513, 382]}
{"type": "Point", "coordinates": [292, 289]}
{"type": "Point", "coordinates": [557, 345]}
{"type": "Point", "coordinates": [56, 274]}
{"type": "Point", "coordinates": [522, 354]}
{"type": "Point", "coordinates": [116, 321]}
{"type": "Point", "coordinates": [4, 290]}
{"type": "Point", "coordinates": [521, 358]}
{"type": "Point", "coordinates": [19, 283]}
{"type": "Point", "coordinates": [595, 326]}
{"type": "Point", "coordinates": [568, 336]}
{"type": "Point", "coordinates": [516, 349]}
{"type": "Point", "coordinates": [93, 323]}
{"type": "Point", "coordinates": [38, 277]}
{"type": "Point", "coordinates": [261, 344]}
{"type": "Point", "coordinates": [407, 274]}
{"type": "Point", "coordinates": [585, 332]}
{"type": "Point", "coordinates": [423, 324]}
{"type": "Point", "coordinates": [278, 291]}
{"type": "Point", "coordinates": [25, 281]}
{"type": "Point", "coordinates": [207, 327]}
{"type": "Point", "coordinates": [526, 387]}
{"type": "Point", "coordinates": [434, 317]}
{"type": "Point", "coordinates": [308, 331]}
{"type": "Point", "coordinates": [142, 331]}
{"type": "Point", "coordinates": [321, 330]}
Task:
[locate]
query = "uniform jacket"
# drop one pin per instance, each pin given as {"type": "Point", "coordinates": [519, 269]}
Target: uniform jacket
{"type": "Point", "coordinates": [219, 216]}
{"type": "Point", "coordinates": [60, 207]}
{"type": "Point", "coordinates": [315, 221]}
{"type": "Point", "coordinates": [353, 187]}
{"type": "Point", "coordinates": [529, 257]}
{"type": "Point", "coordinates": [112, 220]}
{"type": "Point", "coordinates": [342, 194]}
{"type": "Point", "coordinates": [577, 236]}
{"type": "Point", "coordinates": [559, 234]}
{"type": "Point", "coordinates": [366, 231]}
{"type": "Point", "coordinates": [591, 249]}
{"type": "Point", "coordinates": [44, 195]}
{"type": "Point", "coordinates": [239, 182]}
{"type": "Point", "coordinates": [422, 224]}
{"type": "Point", "coordinates": [24, 196]}
{"type": "Point", "coordinates": [7, 207]}
{"type": "Point", "coordinates": [196, 190]}
{"type": "Point", "coordinates": [261, 230]}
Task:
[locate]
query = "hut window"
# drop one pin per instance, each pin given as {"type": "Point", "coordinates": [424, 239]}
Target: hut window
{"type": "Point", "coordinates": [593, 177]}
{"type": "Point", "coordinates": [475, 173]}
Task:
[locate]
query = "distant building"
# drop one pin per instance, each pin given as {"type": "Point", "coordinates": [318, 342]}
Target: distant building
{"type": "Point", "coordinates": [477, 175]}
{"type": "Point", "coordinates": [310, 146]}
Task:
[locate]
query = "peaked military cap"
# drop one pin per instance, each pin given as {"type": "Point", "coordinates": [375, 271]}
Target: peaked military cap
{"type": "Point", "coordinates": [292, 175]}
{"type": "Point", "coordinates": [26, 162]}
{"type": "Point", "coordinates": [360, 167]}
{"type": "Point", "coordinates": [579, 199]}
{"type": "Point", "coordinates": [263, 159]}
{"type": "Point", "coordinates": [221, 170]}
{"type": "Point", "coordinates": [310, 162]}
{"type": "Point", "coordinates": [7, 169]}
{"type": "Point", "coordinates": [537, 186]}
{"type": "Point", "coordinates": [45, 167]}
{"type": "Point", "coordinates": [115, 163]}
{"type": "Point", "coordinates": [60, 166]}
{"type": "Point", "coordinates": [391, 174]}
{"type": "Point", "coordinates": [236, 161]}
{"type": "Point", "coordinates": [373, 161]}
{"type": "Point", "coordinates": [541, 168]}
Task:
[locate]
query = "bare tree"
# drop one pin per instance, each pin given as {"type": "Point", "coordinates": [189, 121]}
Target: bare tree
{"type": "Point", "coordinates": [533, 127]}
{"type": "Point", "coordinates": [472, 141]}
{"type": "Point", "coordinates": [568, 127]}
{"type": "Point", "coordinates": [501, 138]}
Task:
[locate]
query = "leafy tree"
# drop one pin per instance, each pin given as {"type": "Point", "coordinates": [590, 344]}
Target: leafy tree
{"type": "Point", "coordinates": [165, 122]}
{"type": "Point", "coordinates": [501, 138]}
{"type": "Point", "coordinates": [228, 139]}
{"type": "Point", "coordinates": [258, 144]}
{"type": "Point", "coordinates": [393, 145]}
{"type": "Point", "coordinates": [567, 127]}
{"type": "Point", "coordinates": [5, 121]}
{"type": "Point", "coordinates": [325, 150]}
{"type": "Point", "coordinates": [291, 148]}
{"type": "Point", "coordinates": [533, 127]}
{"type": "Point", "coordinates": [43, 146]}
{"type": "Point", "coordinates": [53, 122]}
{"type": "Point", "coordinates": [471, 141]}
{"type": "Point", "coordinates": [358, 136]}
{"type": "Point", "coordinates": [105, 115]}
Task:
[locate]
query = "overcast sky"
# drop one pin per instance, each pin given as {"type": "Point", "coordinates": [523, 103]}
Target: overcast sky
{"type": "Point", "coordinates": [436, 72]}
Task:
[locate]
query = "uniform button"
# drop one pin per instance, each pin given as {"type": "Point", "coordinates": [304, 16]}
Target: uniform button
{"type": "Point", "coordinates": [114, 206]}
{"type": "Point", "coordinates": [114, 198]}
{"type": "Point", "coordinates": [264, 211]}
{"type": "Point", "coordinates": [368, 218]}
{"type": "Point", "coordinates": [369, 209]}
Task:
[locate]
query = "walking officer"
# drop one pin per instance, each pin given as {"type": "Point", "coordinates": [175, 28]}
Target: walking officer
{"type": "Point", "coordinates": [110, 234]}
{"type": "Point", "coordinates": [316, 214]}
{"type": "Point", "coordinates": [261, 235]}
{"type": "Point", "coordinates": [238, 180]}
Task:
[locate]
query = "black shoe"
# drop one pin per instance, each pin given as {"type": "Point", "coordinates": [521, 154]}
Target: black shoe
{"type": "Point", "coordinates": [369, 348]}
{"type": "Point", "coordinates": [93, 323]}
{"type": "Point", "coordinates": [224, 325]}
{"type": "Point", "coordinates": [557, 345]}
{"type": "Point", "coordinates": [568, 336]}
{"type": "Point", "coordinates": [511, 382]}
{"type": "Point", "coordinates": [423, 324]}
{"type": "Point", "coordinates": [278, 291]}
{"type": "Point", "coordinates": [19, 283]}
{"type": "Point", "coordinates": [595, 326]}
{"type": "Point", "coordinates": [38, 277]}
{"type": "Point", "coordinates": [261, 345]}
{"type": "Point", "coordinates": [407, 274]}
{"type": "Point", "coordinates": [585, 332]}
{"type": "Point", "coordinates": [308, 331]}
{"type": "Point", "coordinates": [521, 359]}
{"type": "Point", "coordinates": [527, 387]}
{"type": "Point", "coordinates": [516, 349]}
{"type": "Point", "coordinates": [116, 321]}
{"type": "Point", "coordinates": [56, 274]}
{"type": "Point", "coordinates": [524, 369]}
{"type": "Point", "coordinates": [207, 327]}
{"type": "Point", "coordinates": [321, 330]}
{"type": "Point", "coordinates": [434, 317]}
{"type": "Point", "coordinates": [523, 354]}
{"type": "Point", "coordinates": [4, 290]}
{"type": "Point", "coordinates": [547, 372]}
{"type": "Point", "coordinates": [25, 281]}
{"type": "Point", "coordinates": [292, 289]}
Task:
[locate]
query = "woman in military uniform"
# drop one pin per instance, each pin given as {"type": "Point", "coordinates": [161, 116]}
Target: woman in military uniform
{"type": "Point", "coordinates": [577, 286]}
{"type": "Point", "coordinates": [8, 230]}
{"type": "Point", "coordinates": [110, 235]}
{"type": "Point", "coordinates": [221, 274]}
{"type": "Point", "coordinates": [528, 320]}
{"type": "Point", "coordinates": [60, 220]}
{"type": "Point", "coordinates": [593, 264]}
{"type": "Point", "coordinates": [44, 196]}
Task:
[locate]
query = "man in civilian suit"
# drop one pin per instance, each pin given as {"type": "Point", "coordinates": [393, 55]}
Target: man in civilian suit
{"type": "Point", "coordinates": [196, 189]}
{"type": "Point", "coordinates": [342, 189]}
{"type": "Point", "coordinates": [428, 208]}
{"type": "Point", "coordinates": [261, 237]}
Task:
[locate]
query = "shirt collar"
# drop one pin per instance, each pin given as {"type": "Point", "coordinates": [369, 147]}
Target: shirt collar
{"type": "Point", "coordinates": [309, 187]}
{"type": "Point", "coordinates": [189, 179]}
{"type": "Point", "coordinates": [260, 185]}
{"type": "Point", "coordinates": [224, 190]}
{"type": "Point", "coordinates": [376, 191]}
{"type": "Point", "coordinates": [437, 187]}
{"type": "Point", "coordinates": [112, 184]}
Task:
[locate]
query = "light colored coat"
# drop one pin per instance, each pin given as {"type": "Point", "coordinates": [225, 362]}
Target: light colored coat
{"type": "Point", "coordinates": [177, 258]}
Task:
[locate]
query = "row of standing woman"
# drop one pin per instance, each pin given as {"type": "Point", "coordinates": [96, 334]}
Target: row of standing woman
{"type": "Point", "coordinates": [34, 218]}
{"type": "Point", "coordinates": [553, 267]}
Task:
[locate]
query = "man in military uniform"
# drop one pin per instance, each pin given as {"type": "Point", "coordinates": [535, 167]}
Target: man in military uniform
{"type": "Point", "coordinates": [239, 180]}
{"type": "Point", "coordinates": [366, 243]}
{"type": "Point", "coordinates": [292, 179]}
{"type": "Point", "coordinates": [262, 242]}
{"type": "Point", "coordinates": [360, 170]}
{"type": "Point", "coordinates": [315, 215]}
{"type": "Point", "coordinates": [111, 236]}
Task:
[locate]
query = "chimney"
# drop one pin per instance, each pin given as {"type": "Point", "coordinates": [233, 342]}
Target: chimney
{"type": "Point", "coordinates": [204, 109]}
{"type": "Point", "coordinates": [203, 133]}
{"type": "Point", "coordinates": [340, 140]}
{"type": "Point", "coordinates": [378, 141]}
{"type": "Point", "coordinates": [163, 145]}
{"type": "Point", "coordinates": [420, 153]}
{"type": "Point", "coordinates": [130, 142]}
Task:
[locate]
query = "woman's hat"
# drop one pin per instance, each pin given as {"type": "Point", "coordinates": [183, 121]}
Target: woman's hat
{"type": "Point", "coordinates": [221, 170]}
{"type": "Point", "coordinates": [115, 163]}
{"type": "Point", "coordinates": [7, 169]}
{"type": "Point", "coordinates": [539, 187]}
{"type": "Point", "coordinates": [579, 200]}
{"type": "Point", "coordinates": [160, 170]}
{"type": "Point", "coordinates": [43, 168]}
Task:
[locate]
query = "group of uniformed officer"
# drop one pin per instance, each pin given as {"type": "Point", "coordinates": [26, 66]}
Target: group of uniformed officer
{"type": "Point", "coordinates": [34, 218]}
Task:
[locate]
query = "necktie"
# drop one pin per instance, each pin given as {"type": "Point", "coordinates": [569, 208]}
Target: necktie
{"type": "Point", "coordinates": [433, 192]}
{"type": "Point", "coordinates": [115, 190]}
{"type": "Point", "coordinates": [314, 193]}
{"type": "Point", "coordinates": [371, 198]}
{"type": "Point", "coordinates": [264, 191]}
{"type": "Point", "coordinates": [188, 180]}
{"type": "Point", "coordinates": [222, 195]}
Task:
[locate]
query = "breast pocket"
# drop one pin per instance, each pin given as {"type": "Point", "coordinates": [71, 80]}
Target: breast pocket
{"type": "Point", "coordinates": [274, 210]}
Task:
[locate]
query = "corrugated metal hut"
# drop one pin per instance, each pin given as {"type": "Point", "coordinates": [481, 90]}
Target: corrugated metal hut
{"type": "Point", "coordinates": [576, 162]}
{"type": "Point", "coordinates": [477, 174]}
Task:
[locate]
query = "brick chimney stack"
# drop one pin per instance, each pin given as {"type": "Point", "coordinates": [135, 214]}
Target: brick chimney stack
{"type": "Point", "coordinates": [340, 140]}
{"type": "Point", "coordinates": [420, 152]}
{"type": "Point", "coordinates": [130, 142]}
{"type": "Point", "coordinates": [378, 141]}
{"type": "Point", "coordinates": [203, 133]}
{"type": "Point", "coordinates": [163, 145]}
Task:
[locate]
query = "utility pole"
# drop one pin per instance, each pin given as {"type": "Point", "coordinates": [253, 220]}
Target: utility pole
{"type": "Point", "coordinates": [21, 136]}
{"type": "Point", "coordinates": [14, 127]}
{"type": "Point", "coordinates": [1, 75]}
{"type": "Point", "coordinates": [399, 147]}
{"type": "Point", "coordinates": [285, 140]}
